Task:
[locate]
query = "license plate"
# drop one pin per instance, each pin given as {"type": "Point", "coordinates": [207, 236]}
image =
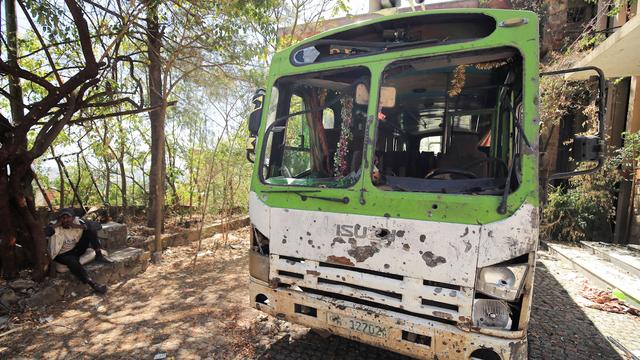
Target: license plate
{"type": "Point", "coordinates": [358, 325]}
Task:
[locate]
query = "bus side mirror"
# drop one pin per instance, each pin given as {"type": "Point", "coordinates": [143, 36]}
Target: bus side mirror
{"type": "Point", "coordinates": [587, 148]}
{"type": "Point", "coordinates": [254, 122]}
{"type": "Point", "coordinates": [256, 113]}
{"type": "Point", "coordinates": [251, 149]}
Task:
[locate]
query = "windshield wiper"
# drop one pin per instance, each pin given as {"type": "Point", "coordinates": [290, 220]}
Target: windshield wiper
{"type": "Point", "coordinates": [502, 208]}
{"type": "Point", "coordinates": [303, 195]}
{"type": "Point", "coordinates": [374, 46]}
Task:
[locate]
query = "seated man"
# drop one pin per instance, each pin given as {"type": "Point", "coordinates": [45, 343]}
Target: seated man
{"type": "Point", "coordinates": [69, 239]}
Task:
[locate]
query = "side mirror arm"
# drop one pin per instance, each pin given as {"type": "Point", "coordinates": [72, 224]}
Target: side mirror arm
{"type": "Point", "coordinates": [251, 149]}
{"type": "Point", "coordinates": [596, 143]}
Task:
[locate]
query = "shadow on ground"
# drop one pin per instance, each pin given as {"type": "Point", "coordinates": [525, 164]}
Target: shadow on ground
{"type": "Point", "coordinates": [203, 312]}
{"type": "Point", "coordinates": [174, 308]}
{"type": "Point", "coordinates": [559, 329]}
{"type": "Point", "coordinates": [312, 345]}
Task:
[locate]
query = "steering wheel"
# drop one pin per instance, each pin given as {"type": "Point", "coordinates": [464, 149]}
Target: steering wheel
{"type": "Point", "coordinates": [464, 171]}
{"type": "Point", "coordinates": [437, 172]}
{"type": "Point", "coordinates": [488, 159]}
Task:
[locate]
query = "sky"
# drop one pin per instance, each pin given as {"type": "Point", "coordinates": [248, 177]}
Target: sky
{"type": "Point", "coordinates": [362, 6]}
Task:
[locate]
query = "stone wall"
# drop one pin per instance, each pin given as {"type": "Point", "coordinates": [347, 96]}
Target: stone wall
{"type": "Point", "coordinates": [186, 237]}
{"type": "Point", "coordinates": [634, 231]}
{"type": "Point", "coordinates": [113, 236]}
{"type": "Point", "coordinates": [553, 32]}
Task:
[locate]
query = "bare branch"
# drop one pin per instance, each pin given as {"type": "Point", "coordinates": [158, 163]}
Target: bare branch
{"type": "Point", "coordinates": [17, 71]}
{"type": "Point", "coordinates": [121, 113]}
{"type": "Point", "coordinates": [112, 103]}
{"type": "Point", "coordinates": [83, 35]}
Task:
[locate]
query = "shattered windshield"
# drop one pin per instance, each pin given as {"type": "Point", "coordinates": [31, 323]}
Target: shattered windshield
{"type": "Point", "coordinates": [455, 125]}
{"type": "Point", "coordinates": [315, 134]}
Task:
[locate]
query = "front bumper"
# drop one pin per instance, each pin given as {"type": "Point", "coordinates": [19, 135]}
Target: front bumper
{"type": "Point", "coordinates": [445, 341]}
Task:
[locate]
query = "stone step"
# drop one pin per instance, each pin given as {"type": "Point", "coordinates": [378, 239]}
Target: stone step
{"type": "Point", "coordinates": [621, 256]}
{"type": "Point", "coordinates": [599, 270]}
{"type": "Point", "coordinates": [113, 236]}
{"type": "Point", "coordinates": [128, 262]}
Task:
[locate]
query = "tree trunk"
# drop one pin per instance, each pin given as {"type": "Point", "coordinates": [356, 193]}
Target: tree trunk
{"type": "Point", "coordinates": [17, 212]}
{"type": "Point", "coordinates": [17, 107]}
{"type": "Point", "coordinates": [191, 168]}
{"type": "Point", "coordinates": [123, 174]}
{"type": "Point", "coordinates": [107, 180]}
{"type": "Point", "coordinates": [8, 233]}
{"type": "Point", "coordinates": [171, 177]}
{"type": "Point", "coordinates": [123, 182]}
{"type": "Point", "coordinates": [22, 192]}
{"type": "Point", "coordinates": [61, 174]}
{"type": "Point", "coordinates": [157, 117]}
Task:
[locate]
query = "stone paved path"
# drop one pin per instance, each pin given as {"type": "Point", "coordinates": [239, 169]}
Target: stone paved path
{"type": "Point", "coordinates": [564, 330]}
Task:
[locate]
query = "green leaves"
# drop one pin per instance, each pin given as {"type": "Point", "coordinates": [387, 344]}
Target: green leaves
{"type": "Point", "coordinates": [214, 53]}
{"type": "Point", "coordinates": [51, 17]}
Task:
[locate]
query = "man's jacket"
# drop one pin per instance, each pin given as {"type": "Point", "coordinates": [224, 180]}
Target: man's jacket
{"type": "Point", "coordinates": [57, 235]}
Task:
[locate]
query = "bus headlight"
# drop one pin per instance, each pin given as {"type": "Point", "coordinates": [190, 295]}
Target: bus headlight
{"type": "Point", "coordinates": [502, 282]}
{"type": "Point", "coordinates": [490, 313]}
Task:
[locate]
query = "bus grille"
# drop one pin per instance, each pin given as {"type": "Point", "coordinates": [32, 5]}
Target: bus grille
{"type": "Point", "coordinates": [447, 303]}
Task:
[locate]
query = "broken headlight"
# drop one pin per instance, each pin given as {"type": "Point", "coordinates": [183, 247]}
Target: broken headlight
{"type": "Point", "coordinates": [490, 313]}
{"type": "Point", "coordinates": [503, 281]}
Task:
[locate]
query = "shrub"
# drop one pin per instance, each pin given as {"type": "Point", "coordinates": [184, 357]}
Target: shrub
{"type": "Point", "coordinates": [585, 209]}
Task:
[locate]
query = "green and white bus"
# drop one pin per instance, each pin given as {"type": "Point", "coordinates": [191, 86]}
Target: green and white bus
{"type": "Point", "coordinates": [395, 192]}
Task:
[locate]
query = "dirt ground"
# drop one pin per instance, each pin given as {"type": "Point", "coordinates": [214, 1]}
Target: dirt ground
{"type": "Point", "coordinates": [173, 309]}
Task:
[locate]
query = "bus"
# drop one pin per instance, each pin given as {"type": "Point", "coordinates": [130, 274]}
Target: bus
{"type": "Point", "coordinates": [395, 189]}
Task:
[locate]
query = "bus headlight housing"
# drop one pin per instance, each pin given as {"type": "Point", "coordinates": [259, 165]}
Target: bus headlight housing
{"type": "Point", "coordinates": [502, 282]}
{"type": "Point", "coordinates": [489, 313]}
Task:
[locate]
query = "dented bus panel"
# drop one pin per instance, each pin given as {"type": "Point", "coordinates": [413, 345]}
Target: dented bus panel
{"type": "Point", "coordinates": [394, 198]}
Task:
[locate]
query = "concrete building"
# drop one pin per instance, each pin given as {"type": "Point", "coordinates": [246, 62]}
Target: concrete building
{"type": "Point", "coordinates": [619, 57]}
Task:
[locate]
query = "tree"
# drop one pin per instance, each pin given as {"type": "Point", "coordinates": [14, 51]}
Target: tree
{"type": "Point", "coordinates": [191, 45]}
{"type": "Point", "coordinates": [43, 102]}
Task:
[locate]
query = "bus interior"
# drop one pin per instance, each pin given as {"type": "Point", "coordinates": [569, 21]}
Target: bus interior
{"type": "Point", "coordinates": [455, 126]}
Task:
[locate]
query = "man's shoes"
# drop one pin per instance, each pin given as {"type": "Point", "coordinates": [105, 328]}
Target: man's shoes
{"type": "Point", "coordinates": [103, 259]}
{"type": "Point", "coordinates": [99, 288]}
